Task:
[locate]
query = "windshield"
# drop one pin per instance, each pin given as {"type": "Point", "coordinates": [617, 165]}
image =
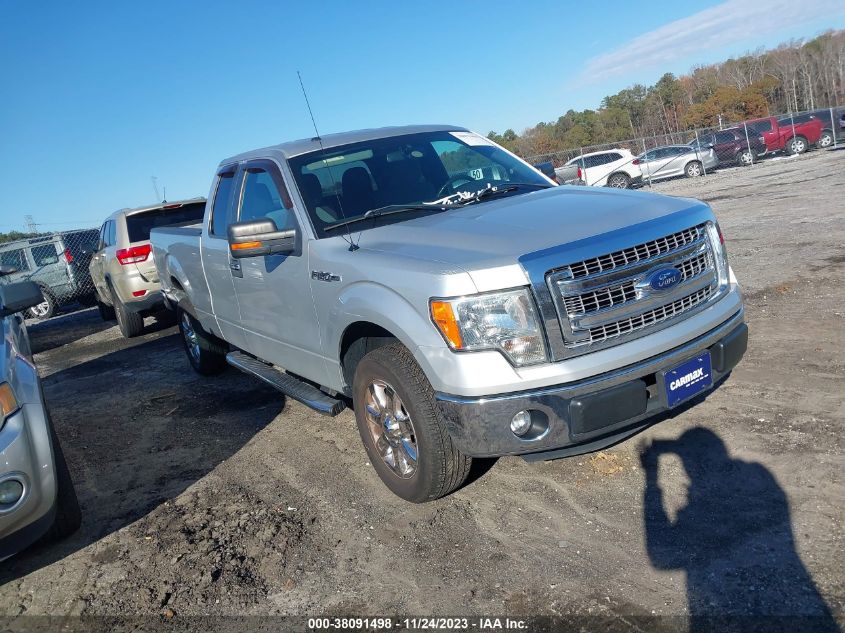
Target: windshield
{"type": "Point", "coordinates": [345, 182]}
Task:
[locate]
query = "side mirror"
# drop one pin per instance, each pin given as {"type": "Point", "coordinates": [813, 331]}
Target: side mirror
{"type": "Point", "coordinates": [5, 269]}
{"type": "Point", "coordinates": [18, 297]}
{"type": "Point", "coordinates": [254, 238]}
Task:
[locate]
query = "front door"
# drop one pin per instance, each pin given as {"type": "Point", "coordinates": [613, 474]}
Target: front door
{"type": "Point", "coordinates": [274, 291]}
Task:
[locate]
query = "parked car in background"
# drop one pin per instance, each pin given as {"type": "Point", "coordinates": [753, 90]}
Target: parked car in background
{"type": "Point", "coordinates": [676, 160]}
{"type": "Point", "coordinates": [792, 135]}
{"type": "Point", "coordinates": [124, 274]}
{"type": "Point", "coordinates": [58, 263]}
{"type": "Point", "coordinates": [833, 125]}
{"type": "Point", "coordinates": [463, 317]}
{"type": "Point", "coordinates": [547, 168]}
{"type": "Point", "coordinates": [732, 146]}
{"type": "Point", "coordinates": [37, 497]}
{"type": "Point", "coordinates": [608, 168]}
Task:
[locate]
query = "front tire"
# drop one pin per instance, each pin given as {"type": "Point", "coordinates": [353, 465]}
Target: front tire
{"type": "Point", "coordinates": [205, 352]}
{"type": "Point", "coordinates": [693, 169]}
{"type": "Point", "coordinates": [619, 181]}
{"type": "Point", "coordinates": [796, 145]}
{"type": "Point", "coordinates": [402, 429]}
{"type": "Point", "coordinates": [746, 158]}
{"type": "Point", "coordinates": [131, 324]}
{"type": "Point", "coordinates": [68, 515]}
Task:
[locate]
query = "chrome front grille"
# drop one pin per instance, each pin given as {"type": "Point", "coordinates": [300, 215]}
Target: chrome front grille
{"type": "Point", "coordinates": [638, 253]}
{"type": "Point", "coordinates": [616, 294]}
{"type": "Point", "coordinates": [607, 299]}
{"type": "Point", "coordinates": [617, 328]}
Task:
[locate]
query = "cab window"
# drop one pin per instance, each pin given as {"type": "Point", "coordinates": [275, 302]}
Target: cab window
{"type": "Point", "coordinates": [262, 198]}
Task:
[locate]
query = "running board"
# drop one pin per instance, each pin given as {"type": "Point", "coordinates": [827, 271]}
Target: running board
{"type": "Point", "coordinates": [297, 389]}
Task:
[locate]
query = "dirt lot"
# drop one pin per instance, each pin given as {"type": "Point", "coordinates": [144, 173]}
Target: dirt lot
{"type": "Point", "coordinates": [214, 496]}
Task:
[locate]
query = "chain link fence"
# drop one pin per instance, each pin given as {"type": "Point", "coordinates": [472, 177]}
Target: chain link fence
{"type": "Point", "coordinates": [695, 152]}
{"type": "Point", "coordinates": [58, 263]}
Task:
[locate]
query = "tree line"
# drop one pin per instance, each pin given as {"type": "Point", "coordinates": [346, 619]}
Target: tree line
{"type": "Point", "coordinates": [795, 76]}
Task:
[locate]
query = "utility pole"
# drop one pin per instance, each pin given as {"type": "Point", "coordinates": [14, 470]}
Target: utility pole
{"type": "Point", "coordinates": [155, 187]}
{"type": "Point", "coordinates": [31, 226]}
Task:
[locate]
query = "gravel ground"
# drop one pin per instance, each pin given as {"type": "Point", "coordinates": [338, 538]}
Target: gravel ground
{"type": "Point", "coordinates": [214, 496]}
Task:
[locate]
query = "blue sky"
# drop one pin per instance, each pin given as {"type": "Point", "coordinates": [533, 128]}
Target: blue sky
{"type": "Point", "coordinates": [99, 96]}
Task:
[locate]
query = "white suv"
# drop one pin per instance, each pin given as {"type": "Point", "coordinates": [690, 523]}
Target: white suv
{"type": "Point", "coordinates": [609, 168]}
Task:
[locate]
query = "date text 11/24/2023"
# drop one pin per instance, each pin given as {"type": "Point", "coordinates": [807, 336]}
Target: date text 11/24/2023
{"type": "Point", "coordinates": [482, 624]}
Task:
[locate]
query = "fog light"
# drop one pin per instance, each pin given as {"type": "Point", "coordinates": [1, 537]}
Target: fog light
{"type": "Point", "coordinates": [10, 492]}
{"type": "Point", "coordinates": [521, 423]}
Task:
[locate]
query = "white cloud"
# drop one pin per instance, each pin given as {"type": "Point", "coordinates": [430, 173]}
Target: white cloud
{"type": "Point", "coordinates": [720, 26]}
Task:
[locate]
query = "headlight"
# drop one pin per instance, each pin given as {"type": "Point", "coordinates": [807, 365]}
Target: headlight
{"type": "Point", "coordinates": [717, 240]}
{"type": "Point", "coordinates": [504, 321]}
{"type": "Point", "coordinates": [8, 402]}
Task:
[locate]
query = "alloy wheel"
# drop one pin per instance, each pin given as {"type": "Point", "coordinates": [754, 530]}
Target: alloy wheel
{"type": "Point", "coordinates": [391, 429]}
{"type": "Point", "coordinates": [192, 342]}
{"type": "Point", "coordinates": [41, 310]}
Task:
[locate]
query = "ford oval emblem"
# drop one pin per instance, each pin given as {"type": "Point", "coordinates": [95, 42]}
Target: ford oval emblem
{"type": "Point", "coordinates": [663, 279]}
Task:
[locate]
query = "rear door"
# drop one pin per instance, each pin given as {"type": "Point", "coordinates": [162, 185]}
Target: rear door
{"type": "Point", "coordinates": [218, 266]}
{"type": "Point", "coordinates": [274, 291]}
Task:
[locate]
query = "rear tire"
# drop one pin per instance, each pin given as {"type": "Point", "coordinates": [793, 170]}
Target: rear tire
{"type": "Point", "coordinates": [205, 352]}
{"type": "Point", "coordinates": [796, 145]}
{"type": "Point", "coordinates": [68, 515]}
{"type": "Point", "coordinates": [131, 324]}
{"type": "Point", "coordinates": [825, 140]}
{"type": "Point", "coordinates": [693, 169]}
{"type": "Point", "coordinates": [45, 309]}
{"type": "Point", "coordinates": [619, 181]}
{"type": "Point", "coordinates": [402, 428]}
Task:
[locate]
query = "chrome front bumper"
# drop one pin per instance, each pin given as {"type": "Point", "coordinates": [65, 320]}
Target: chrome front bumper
{"type": "Point", "coordinates": [480, 426]}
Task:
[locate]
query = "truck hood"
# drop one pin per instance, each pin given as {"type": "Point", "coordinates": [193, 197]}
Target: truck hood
{"type": "Point", "coordinates": [493, 235]}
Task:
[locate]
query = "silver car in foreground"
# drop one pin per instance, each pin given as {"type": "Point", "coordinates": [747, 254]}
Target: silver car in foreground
{"type": "Point", "coordinates": [676, 160]}
{"type": "Point", "coordinates": [37, 497]}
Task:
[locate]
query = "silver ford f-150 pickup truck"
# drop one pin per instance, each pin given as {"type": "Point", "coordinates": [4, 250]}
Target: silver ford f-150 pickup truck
{"type": "Point", "coordinates": [465, 305]}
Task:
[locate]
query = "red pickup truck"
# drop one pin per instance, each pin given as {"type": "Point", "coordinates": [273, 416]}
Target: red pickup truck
{"type": "Point", "coordinates": [791, 135]}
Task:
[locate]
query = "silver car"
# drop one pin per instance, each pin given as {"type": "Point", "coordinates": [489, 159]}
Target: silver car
{"type": "Point", "coordinates": [37, 496]}
{"type": "Point", "coordinates": [676, 160]}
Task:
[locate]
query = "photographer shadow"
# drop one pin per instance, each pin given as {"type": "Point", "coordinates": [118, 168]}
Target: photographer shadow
{"type": "Point", "coordinates": [734, 541]}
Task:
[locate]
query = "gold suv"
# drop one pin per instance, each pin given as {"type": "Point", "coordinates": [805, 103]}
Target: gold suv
{"type": "Point", "coordinates": [123, 269]}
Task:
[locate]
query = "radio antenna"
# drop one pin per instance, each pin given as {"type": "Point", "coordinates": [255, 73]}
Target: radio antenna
{"type": "Point", "coordinates": [348, 239]}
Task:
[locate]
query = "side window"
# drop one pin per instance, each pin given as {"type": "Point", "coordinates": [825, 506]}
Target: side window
{"type": "Point", "coordinates": [262, 199]}
{"type": "Point", "coordinates": [102, 236]}
{"type": "Point", "coordinates": [111, 237]}
{"type": "Point", "coordinates": [724, 137]}
{"type": "Point", "coordinates": [613, 157]}
{"type": "Point", "coordinates": [44, 255]}
{"type": "Point", "coordinates": [15, 258]}
{"type": "Point", "coordinates": [219, 212]}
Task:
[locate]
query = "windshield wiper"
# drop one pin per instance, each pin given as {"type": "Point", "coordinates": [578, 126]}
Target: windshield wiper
{"type": "Point", "coordinates": [492, 192]}
{"type": "Point", "coordinates": [390, 209]}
